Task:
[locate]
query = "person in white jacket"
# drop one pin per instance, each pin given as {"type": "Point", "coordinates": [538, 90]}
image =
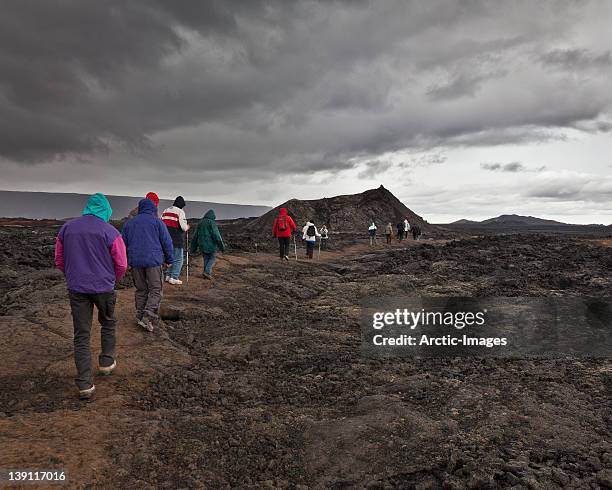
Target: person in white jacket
{"type": "Point", "coordinates": [406, 228]}
{"type": "Point", "coordinates": [372, 231]}
{"type": "Point", "coordinates": [309, 235]}
{"type": "Point", "coordinates": [175, 220]}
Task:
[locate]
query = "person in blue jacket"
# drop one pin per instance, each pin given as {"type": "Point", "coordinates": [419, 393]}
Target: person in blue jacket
{"type": "Point", "coordinates": [149, 247]}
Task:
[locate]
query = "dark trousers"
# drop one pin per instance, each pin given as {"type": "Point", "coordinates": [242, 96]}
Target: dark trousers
{"type": "Point", "coordinates": [149, 283]}
{"type": "Point", "coordinates": [400, 235]}
{"type": "Point", "coordinates": [283, 245]}
{"type": "Point", "coordinates": [310, 249]}
{"type": "Point", "coordinates": [82, 313]}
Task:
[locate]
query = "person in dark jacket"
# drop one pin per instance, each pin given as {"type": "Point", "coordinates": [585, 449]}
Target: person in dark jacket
{"type": "Point", "coordinates": [149, 247]}
{"type": "Point", "coordinates": [416, 232]}
{"type": "Point", "coordinates": [400, 231]}
{"type": "Point", "coordinates": [175, 220]}
{"type": "Point", "coordinates": [91, 254]}
{"type": "Point", "coordinates": [283, 227]}
{"type": "Point", "coordinates": [207, 239]}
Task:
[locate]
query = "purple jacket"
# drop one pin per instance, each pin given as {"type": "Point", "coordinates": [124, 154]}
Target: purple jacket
{"type": "Point", "coordinates": [91, 254]}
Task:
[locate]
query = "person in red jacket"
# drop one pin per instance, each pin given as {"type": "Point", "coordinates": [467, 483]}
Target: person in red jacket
{"type": "Point", "coordinates": [284, 226]}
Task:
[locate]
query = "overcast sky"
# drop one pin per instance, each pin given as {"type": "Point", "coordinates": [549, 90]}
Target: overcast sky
{"type": "Point", "coordinates": [463, 109]}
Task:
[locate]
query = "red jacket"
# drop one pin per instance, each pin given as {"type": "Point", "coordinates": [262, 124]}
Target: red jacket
{"type": "Point", "coordinates": [283, 224]}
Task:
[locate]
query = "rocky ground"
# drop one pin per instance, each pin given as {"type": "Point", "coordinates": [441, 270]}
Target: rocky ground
{"type": "Point", "coordinates": [256, 380]}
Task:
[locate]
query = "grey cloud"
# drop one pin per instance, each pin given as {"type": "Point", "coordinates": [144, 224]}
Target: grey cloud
{"type": "Point", "coordinates": [461, 85]}
{"type": "Point", "coordinates": [374, 168]}
{"type": "Point", "coordinates": [424, 160]}
{"type": "Point", "coordinates": [272, 86]}
{"type": "Point", "coordinates": [512, 167]}
{"type": "Point", "coordinates": [573, 187]}
{"type": "Point", "coordinates": [576, 59]}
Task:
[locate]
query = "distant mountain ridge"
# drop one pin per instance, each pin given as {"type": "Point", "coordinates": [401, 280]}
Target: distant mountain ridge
{"type": "Point", "coordinates": [517, 220]}
{"type": "Point", "coordinates": [57, 205]}
{"type": "Point", "coordinates": [515, 223]}
{"type": "Point", "coordinates": [514, 220]}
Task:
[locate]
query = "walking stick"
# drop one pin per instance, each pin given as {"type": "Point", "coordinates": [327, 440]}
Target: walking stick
{"type": "Point", "coordinates": [295, 247]}
{"type": "Point", "coordinates": [319, 255]}
{"type": "Point", "coordinates": [187, 276]}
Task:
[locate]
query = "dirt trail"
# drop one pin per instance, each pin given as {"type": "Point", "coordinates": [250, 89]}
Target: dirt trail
{"type": "Point", "coordinates": [50, 428]}
{"type": "Point", "coordinates": [256, 380]}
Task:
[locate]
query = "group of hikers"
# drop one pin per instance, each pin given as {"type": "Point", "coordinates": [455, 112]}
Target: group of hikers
{"type": "Point", "coordinates": [283, 229]}
{"type": "Point", "coordinates": [94, 256]}
{"type": "Point", "coordinates": [404, 228]}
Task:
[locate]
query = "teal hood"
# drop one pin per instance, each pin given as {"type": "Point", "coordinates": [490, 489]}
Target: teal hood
{"type": "Point", "coordinates": [98, 206]}
{"type": "Point", "coordinates": [210, 214]}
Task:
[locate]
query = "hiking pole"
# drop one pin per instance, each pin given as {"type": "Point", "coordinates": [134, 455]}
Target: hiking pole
{"type": "Point", "coordinates": [187, 271]}
{"type": "Point", "coordinates": [295, 247]}
{"type": "Point", "coordinates": [319, 255]}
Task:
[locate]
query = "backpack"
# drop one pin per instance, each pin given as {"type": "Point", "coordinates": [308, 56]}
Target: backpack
{"type": "Point", "coordinates": [311, 231]}
{"type": "Point", "coordinates": [282, 223]}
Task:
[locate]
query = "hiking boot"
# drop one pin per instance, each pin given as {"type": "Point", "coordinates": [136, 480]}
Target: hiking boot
{"type": "Point", "coordinates": [174, 281]}
{"type": "Point", "coordinates": [206, 276]}
{"type": "Point", "coordinates": [146, 324]}
{"type": "Point", "coordinates": [107, 370]}
{"type": "Point", "coordinates": [167, 278]}
{"type": "Point", "coordinates": [87, 393]}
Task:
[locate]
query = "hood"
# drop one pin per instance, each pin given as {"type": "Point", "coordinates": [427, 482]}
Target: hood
{"type": "Point", "coordinates": [97, 205]}
{"type": "Point", "coordinates": [179, 202]}
{"type": "Point", "coordinates": [282, 212]}
{"type": "Point", "coordinates": [146, 206]}
{"type": "Point", "coordinates": [210, 214]}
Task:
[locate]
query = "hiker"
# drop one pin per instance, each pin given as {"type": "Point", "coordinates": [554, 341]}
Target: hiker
{"type": "Point", "coordinates": [416, 232]}
{"type": "Point", "coordinates": [207, 240]}
{"type": "Point", "coordinates": [406, 228]}
{"type": "Point", "coordinates": [175, 220]}
{"type": "Point", "coordinates": [283, 227]}
{"type": "Point", "coordinates": [324, 237]}
{"type": "Point", "coordinates": [149, 248]}
{"type": "Point", "coordinates": [389, 232]}
{"type": "Point", "coordinates": [400, 231]}
{"type": "Point", "coordinates": [91, 254]}
{"type": "Point", "coordinates": [150, 195]}
{"type": "Point", "coordinates": [372, 231]}
{"type": "Point", "coordinates": [310, 234]}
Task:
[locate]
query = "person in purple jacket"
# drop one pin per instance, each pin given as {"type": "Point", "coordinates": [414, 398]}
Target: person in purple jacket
{"type": "Point", "coordinates": [91, 254]}
{"type": "Point", "coordinates": [149, 247]}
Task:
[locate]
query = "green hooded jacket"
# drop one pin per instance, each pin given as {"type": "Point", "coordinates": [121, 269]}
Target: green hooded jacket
{"type": "Point", "coordinates": [97, 205]}
{"type": "Point", "coordinates": [207, 238]}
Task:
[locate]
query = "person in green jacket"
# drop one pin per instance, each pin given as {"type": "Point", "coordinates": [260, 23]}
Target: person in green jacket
{"type": "Point", "coordinates": [207, 240]}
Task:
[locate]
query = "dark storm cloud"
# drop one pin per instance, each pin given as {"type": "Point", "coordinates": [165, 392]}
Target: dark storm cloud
{"type": "Point", "coordinates": [261, 87]}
